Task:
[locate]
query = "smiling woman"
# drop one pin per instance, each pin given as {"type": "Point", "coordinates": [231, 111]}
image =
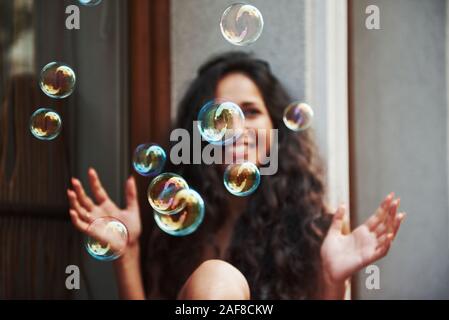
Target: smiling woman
{"type": "Point", "coordinates": [153, 73]}
{"type": "Point", "coordinates": [277, 243]}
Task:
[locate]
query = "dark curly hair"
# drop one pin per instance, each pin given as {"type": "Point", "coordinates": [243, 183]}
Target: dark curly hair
{"type": "Point", "coordinates": [276, 241]}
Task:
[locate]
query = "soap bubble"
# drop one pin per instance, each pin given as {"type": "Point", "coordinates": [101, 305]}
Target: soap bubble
{"type": "Point", "coordinates": [241, 24]}
{"type": "Point", "coordinates": [89, 3]}
{"type": "Point", "coordinates": [149, 160]}
{"type": "Point", "coordinates": [45, 124]}
{"type": "Point", "coordinates": [220, 122]}
{"type": "Point", "coordinates": [107, 239]}
{"type": "Point", "coordinates": [162, 191]}
{"type": "Point", "coordinates": [187, 220]}
{"type": "Point", "coordinates": [242, 179]}
{"type": "Point", "coordinates": [298, 116]}
{"type": "Point", "coordinates": [57, 80]}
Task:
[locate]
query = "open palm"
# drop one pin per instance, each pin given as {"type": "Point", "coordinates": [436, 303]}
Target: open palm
{"type": "Point", "coordinates": [84, 210]}
{"type": "Point", "coordinates": [342, 255]}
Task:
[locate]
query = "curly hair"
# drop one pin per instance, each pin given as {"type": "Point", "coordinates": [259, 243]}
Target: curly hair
{"type": "Point", "coordinates": [276, 241]}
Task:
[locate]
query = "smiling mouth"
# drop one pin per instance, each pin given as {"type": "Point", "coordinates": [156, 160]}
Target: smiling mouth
{"type": "Point", "coordinates": [245, 144]}
{"type": "Point", "coordinates": [242, 149]}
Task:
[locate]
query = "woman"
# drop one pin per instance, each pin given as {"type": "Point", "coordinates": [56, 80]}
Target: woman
{"type": "Point", "coordinates": [278, 243]}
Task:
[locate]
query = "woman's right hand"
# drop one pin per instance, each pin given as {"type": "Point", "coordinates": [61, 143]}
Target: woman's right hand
{"type": "Point", "coordinates": [83, 210]}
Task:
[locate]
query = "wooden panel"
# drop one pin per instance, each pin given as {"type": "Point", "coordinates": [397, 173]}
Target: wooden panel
{"type": "Point", "coordinates": [149, 85]}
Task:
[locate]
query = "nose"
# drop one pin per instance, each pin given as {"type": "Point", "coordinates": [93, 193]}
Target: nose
{"type": "Point", "coordinates": [248, 136]}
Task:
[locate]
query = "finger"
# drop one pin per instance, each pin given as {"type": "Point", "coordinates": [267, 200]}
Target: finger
{"type": "Point", "coordinates": [131, 194]}
{"type": "Point", "coordinates": [390, 219]}
{"type": "Point", "coordinates": [384, 240]}
{"type": "Point", "coordinates": [376, 218]}
{"type": "Point", "coordinates": [381, 251]}
{"type": "Point", "coordinates": [380, 213]}
{"type": "Point", "coordinates": [82, 213]}
{"type": "Point", "coordinates": [380, 230]}
{"type": "Point", "coordinates": [398, 221]}
{"type": "Point", "coordinates": [83, 199]}
{"type": "Point", "coordinates": [69, 197]}
{"type": "Point", "coordinates": [97, 189]}
{"type": "Point", "coordinates": [337, 221]}
{"type": "Point", "coordinates": [77, 222]}
{"type": "Point", "coordinates": [373, 221]}
{"type": "Point", "coordinates": [387, 201]}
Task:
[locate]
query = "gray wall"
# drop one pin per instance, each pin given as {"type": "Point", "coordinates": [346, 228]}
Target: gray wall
{"type": "Point", "coordinates": [196, 36]}
{"type": "Point", "coordinates": [401, 140]}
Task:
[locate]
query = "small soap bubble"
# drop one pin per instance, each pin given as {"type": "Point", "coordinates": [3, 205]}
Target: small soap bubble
{"type": "Point", "coordinates": [187, 220]}
{"type": "Point", "coordinates": [242, 179]}
{"type": "Point", "coordinates": [220, 122]}
{"type": "Point", "coordinates": [162, 191]}
{"type": "Point", "coordinates": [149, 160]}
{"type": "Point", "coordinates": [57, 80]}
{"type": "Point", "coordinates": [89, 3]}
{"type": "Point", "coordinates": [45, 124]}
{"type": "Point", "coordinates": [241, 24]}
{"type": "Point", "coordinates": [107, 239]}
{"type": "Point", "coordinates": [298, 116]}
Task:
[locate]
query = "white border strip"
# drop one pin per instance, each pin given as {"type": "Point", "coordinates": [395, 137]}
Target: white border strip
{"type": "Point", "coordinates": [337, 95]}
{"type": "Point", "coordinates": [327, 90]}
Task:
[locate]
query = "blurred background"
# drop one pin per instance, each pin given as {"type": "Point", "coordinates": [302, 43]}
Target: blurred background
{"type": "Point", "coordinates": [380, 99]}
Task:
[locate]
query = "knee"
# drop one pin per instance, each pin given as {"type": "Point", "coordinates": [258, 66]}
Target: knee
{"type": "Point", "coordinates": [215, 280]}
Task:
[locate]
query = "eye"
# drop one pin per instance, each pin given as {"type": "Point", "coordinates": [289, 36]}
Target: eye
{"type": "Point", "coordinates": [251, 112]}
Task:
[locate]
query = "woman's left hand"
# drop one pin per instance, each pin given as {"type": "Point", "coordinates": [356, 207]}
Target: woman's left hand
{"type": "Point", "coordinates": [342, 255]}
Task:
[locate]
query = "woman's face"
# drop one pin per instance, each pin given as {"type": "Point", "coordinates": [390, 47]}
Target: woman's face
{"type": "Point", "coordinates": [254, 144]}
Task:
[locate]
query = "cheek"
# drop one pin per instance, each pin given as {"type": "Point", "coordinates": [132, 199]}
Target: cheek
{"type": "Point", "coordinates": [260, 122]}
{"type": "Point", "coordinates": [263, 127]}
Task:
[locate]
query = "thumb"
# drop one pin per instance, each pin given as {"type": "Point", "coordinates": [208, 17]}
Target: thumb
{"type": "Point", "coordinates": [338, 219]}
{"type": "Point", "coordinates": [131, 194]}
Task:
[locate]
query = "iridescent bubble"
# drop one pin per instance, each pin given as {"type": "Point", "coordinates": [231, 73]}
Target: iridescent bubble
{"type": "Point", "coordinates": [89, 3]}
{"type": "Point", "coordinates": [298, 116]}
{"type": "Point", "coordinates": [187, 220]}
{"type": "Point", "coordinates": [241, 24]}
{"type": "Point", "coordinates": [242, 179]}
{"type": "Point", "coordinates": [220, 122]}
{"type": "Point", "coordinates": [162, 191]}
{"type": "Point", "coordinates": [107, 239]}
{"type": "Point", "coordinates": [57, 80]}
{"type": "Point", "coordinates": [45, 124]}
{"type": "Point", "coordinates": [149, 160]}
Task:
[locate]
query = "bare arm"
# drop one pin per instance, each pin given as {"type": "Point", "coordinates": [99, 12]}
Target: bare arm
{"type": "Point", "coordinates": [333, 290]}
{"type": "Point", "coordinates": [129, 275]}
{"type": "Point", "coordinates": [344, 254]}
{"type": "Point", "coordinates": [84, 211]}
